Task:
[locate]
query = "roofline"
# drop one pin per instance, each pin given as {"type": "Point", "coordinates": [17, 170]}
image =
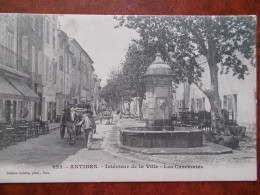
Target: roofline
{"type": "Point", "coordinates": [63, 33]}
{"type": "Point", "coordinates": [91, 61]}
{"type": "Point", "coordinates": [92, 67]}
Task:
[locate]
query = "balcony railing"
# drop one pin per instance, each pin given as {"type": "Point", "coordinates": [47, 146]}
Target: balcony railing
{"type": "Point", "coordinates": [10, 59]}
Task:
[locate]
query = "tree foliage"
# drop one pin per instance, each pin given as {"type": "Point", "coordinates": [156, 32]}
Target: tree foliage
{"type": "Point", "coordinates": [223, 41]}
{"type": "Point", "coordinates": [127, 83]}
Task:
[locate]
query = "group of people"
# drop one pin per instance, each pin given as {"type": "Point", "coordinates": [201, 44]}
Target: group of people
{"type": "Point", "coordinates": [86, 123]}
{"type": "Point", "coordinates": [110, 116]}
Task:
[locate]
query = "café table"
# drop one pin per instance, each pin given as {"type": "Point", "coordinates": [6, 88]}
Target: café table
{"type": "Point", "coordinates": [26, 129]}
{"type": "Point", "coordinates": [11, 132]}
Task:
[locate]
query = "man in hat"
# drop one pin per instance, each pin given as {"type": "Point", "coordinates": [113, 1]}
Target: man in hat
{"type": "Point", "coordinates": [63, 123]}
{"type": "Point", "coordinates": [86, 125]}
{"type": "Point", "coordinates": [93, 123]}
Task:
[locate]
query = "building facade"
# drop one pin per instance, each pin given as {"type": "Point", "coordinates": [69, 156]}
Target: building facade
{"type": "Point", "coordinates": [30, 50]}
{"type": "Point", "coordinates": [42, 70]}
{"type": "Point", "coordinates": [238, 97]}
{"type": "Point", "coordinates": [17, 93]}
{"type": "Point", "coordinates": [50, 66]}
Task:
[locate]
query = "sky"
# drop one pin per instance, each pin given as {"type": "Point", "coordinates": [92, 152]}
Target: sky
{"type": "Point", "coordinates": [105, 45]}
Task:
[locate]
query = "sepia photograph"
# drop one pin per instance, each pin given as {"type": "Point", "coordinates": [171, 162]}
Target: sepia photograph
{"type": "Point", "coordinates": [105, 98]}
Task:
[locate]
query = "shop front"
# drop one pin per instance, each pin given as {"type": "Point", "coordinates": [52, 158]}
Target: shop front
{"type": "Point", "coordinates": [9, 98]}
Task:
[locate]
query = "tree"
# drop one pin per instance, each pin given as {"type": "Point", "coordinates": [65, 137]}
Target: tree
{"type": "Point", "coordinates": [134, 67]}
{"type": "Point", "coordinates": [116, 91]}
{"type": "Point", "coordinates": [182, 40]}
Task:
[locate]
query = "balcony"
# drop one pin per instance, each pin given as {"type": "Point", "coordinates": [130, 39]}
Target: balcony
{"type": "Point", "coordinates": [10, 59]}
{"type": "Point", "coordinates": [12, 63]}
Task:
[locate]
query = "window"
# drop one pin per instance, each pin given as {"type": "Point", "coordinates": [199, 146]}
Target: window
{"type": "Point", "coordinates": [54, 71]}
{"type": "Point", "coordinates": [193, 109]}
{"type": "Point", "coordinates": [33, 59]}
{"type": "Point", "coordinates": [225, 102]}
{"type": "Point", "coordinates": [68, 63]}
{"type": "Point", "coordinates": [61, 83]}
{"type": "Point", "coordinates": [74, 61]}
{"type": "Point", "coordinates": [61, 44]}
{"type": "Point", "coordinates": [230, 104]}
{"type": "Point", "coordinates": [25, 47]}
{"type": "Point", "coordinates": [40, 62]}
{"type": "Point", "coordinates": [14, 109]}
{"type": "Point", "coordinates": [2, 32]}
{"type": "Point", "coordinates": [61, 63]}
{"type": "Point", "coordinates": [46, 68]}
{"type": "Point", "coordinates": [33, 21]}
{"type": "Point", "coordinates": [53, 38]}
{"type": "Point", "coordinates": [47, 32]}
{"type": "Point", "coordinates": [39, 27]}
{"type": "Point", "coordinates": [10, 51]}
{"type": "Point", "coordinates": [10, 41]}
{"type": "Point", "coordinates": [198, 105]}
{"type": "Point", "coordinates": [1, 108]}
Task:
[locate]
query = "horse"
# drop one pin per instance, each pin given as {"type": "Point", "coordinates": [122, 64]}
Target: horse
{"type": "Point", "coordinates": [70, 121]}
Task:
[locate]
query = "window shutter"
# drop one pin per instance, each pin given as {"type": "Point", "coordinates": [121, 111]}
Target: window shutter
{"type": "Point", "coordinates": [33, 59]}
{"type": "Point", "coordinates": [25, 47]}
{"type": "Point", "coordinates": [40, 62]}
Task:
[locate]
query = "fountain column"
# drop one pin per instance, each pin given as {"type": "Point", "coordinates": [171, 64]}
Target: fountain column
{"type": "Point", "coordinates": [158, 80]}
{"type": "Point", "coordinates": [159, 132]}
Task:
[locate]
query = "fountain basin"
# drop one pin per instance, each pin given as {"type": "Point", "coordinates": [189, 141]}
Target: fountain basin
{"type": "Point", "coordinates": [141, 138]}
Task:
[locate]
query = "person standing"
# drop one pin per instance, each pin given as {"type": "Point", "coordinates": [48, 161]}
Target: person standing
{"type": "Point", "coordinates": [63, 123]}
{"type": "Point", "coordinates": [86, 125]}
{"type": "Point", "coordinates": [93, 123]}
{"type": "Point", "coordinates": [100, 117]}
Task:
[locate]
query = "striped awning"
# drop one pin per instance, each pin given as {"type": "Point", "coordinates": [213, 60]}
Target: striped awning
{"type": "Point", "coordinates": [28, 93]}
{"type": "Point", "coordinates": [7, 91]}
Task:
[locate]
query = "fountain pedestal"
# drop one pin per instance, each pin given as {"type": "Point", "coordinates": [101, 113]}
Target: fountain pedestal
{"type": "Point", "coordinates": [159, 131]}
{"type": "Point", "coordinates": [158, 79]}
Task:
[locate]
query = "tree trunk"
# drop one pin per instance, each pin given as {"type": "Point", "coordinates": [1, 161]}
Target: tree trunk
{"type": "Point", "coordinates": [140, 100]}
{"type": "Point", "coordinates": [217, 122]}
{"type": "Point", "coordinates": [121, 105]}
{"type": "Point", "coordinates": [129, 108]}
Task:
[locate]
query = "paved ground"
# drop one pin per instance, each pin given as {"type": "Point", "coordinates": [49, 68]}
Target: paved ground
{"type": "Point", "coordinates": [245, 154]}
{"type": "Point", "coordinates": [48, 150]}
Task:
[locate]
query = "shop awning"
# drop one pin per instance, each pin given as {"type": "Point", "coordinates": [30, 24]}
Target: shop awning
{"type": "Point", "coordinates": [7, 91]}
{"type": "Point", "coordinates": [28, 94]}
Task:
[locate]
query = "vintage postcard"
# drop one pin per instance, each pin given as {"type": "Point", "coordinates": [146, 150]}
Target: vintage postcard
{"type": "Point", "coordinates": [91, 98]}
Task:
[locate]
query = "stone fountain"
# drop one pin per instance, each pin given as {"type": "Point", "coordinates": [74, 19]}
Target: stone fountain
{"type": "Point", "coordinates": [159, 131]}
